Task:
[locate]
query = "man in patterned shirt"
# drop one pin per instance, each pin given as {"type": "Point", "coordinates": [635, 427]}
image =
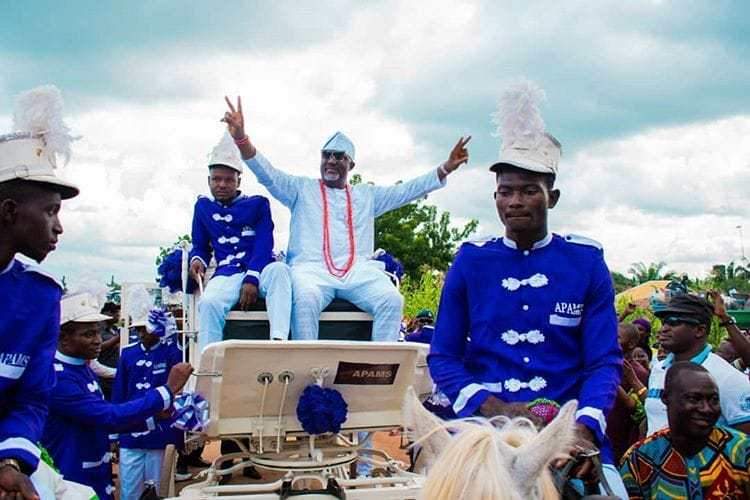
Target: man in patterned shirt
{"type": "Point", "coordinates": [694, 457]}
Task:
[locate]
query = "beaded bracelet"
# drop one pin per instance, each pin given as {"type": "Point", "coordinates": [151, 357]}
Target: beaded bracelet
{"type": "Point", "coordinates": [544, 408]}
{"type": "Point", "coordinates": [243, 141]}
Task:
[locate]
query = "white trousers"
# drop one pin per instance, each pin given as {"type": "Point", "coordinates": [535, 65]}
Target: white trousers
{"type": "Point", "coordinates": [366, 286]}
{"type": "Point", "coordinates": [136, 467]}
{"type": "Point", "coordinates": [50, 485]}
{"type": "Point", "coordinates": [223, 292]}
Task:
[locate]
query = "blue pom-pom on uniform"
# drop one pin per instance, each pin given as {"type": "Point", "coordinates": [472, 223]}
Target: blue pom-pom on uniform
{"type": "Point", "coordinates": [321, 410]}
{"type": "Point", "coordinates": [170, 273]}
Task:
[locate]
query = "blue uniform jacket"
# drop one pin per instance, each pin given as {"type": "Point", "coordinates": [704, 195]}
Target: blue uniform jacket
{"type": "Point", "coordinates": [138, 371]}
{"type": "Point", "coordinates": [522, 325]}
{"type": "Point", "coordinates": [80, 421]}
{"type": "Point", "coordinates": [423, 335]}
{"type": "Point", "coordinates": [29, 326]}
{"type": "Point", "coordinates": [240, 233]}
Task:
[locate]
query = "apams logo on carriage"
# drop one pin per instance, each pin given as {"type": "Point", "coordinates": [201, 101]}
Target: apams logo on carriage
{"type": "Point", "coordinates": [365, 373]}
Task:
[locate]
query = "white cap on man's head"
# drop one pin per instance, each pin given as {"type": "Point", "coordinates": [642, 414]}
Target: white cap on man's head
{"type": "Point", "coordinates": [30, 153]}
{"type": "Point", "coordinates": [339, 143]}
{"type": "Point", "coordinates": [543, 155]}
{"type": "Point", "coordinates": [525, 144]}
{"type": "Point", "coordinates": [80, 308]}
{"type": "Point", "coordinates": [226, 154]}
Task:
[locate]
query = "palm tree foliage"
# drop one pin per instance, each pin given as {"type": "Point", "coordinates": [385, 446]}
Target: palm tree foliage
{"type": "Point", "coordinates": [642, 273]}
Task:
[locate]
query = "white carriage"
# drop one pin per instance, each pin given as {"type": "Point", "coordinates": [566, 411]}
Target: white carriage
{"type": "Point", "coordinates": [253, 387]}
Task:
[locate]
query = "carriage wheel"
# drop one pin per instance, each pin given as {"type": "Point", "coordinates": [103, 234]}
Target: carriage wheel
{"type": "Point", "coordinates": [168, 466]}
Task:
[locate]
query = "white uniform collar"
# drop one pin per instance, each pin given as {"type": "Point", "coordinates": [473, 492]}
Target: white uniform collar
{"type": "Point", "coordinates": [144, 349]}
{"type": "Point", "coordinates": [230, 202]}
{"type": "Point", "coordinates": [10, 264]}
{"type": "Point", "coordinates": [69, 359]}
{"type": "Point", "coordinates": [539, 244]}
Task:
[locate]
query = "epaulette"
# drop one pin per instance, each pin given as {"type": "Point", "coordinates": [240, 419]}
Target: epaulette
{"type": "Point", "coordinates": [38, 270]}
{"type": "Point", "coordinates": [582, 240]}
{"type": "Point", "coordinates": [479, 242]}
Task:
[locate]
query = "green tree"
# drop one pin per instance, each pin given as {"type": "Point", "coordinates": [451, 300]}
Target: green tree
{"type": "Point", "coordinates": [114, 291]}
{"type": "Point", "coordinates": [653, 271]}
{"type": "Point", "coordinates": [422, 293]}
{"type": "Point", "coordinates": [729, 276]}
{"type": "Point", "coordinates": [620, 281]}
{"type": "Point", "coordinates": [419, 236]}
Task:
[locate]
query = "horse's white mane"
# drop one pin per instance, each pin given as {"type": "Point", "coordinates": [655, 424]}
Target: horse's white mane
{"type": "Point", "coordinates": [488, 459]}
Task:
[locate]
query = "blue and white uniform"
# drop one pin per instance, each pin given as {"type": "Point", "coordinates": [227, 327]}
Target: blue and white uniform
{"type": "Point", "coordinates": [240, 233]}
{"type": "Point", "coordinates": [528, 324]}
{"type": "Point", "coordinates": [80, 421]}
{"type": "Point", "coordinates": [141, 453]}
{"type": "Point", "coordinates": [423, 335]}
{"type": "Point", "coordinates": [30, 312]}
{"type": "Point", "coordinates": [365, 285]}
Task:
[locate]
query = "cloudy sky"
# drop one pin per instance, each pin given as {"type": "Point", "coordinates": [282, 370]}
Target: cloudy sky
{"type": "Point", "coordinates": [649, 99]}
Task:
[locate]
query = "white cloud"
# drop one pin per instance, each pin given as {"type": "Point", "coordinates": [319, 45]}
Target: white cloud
{"type": "Point", "coordinates": [672, 194]}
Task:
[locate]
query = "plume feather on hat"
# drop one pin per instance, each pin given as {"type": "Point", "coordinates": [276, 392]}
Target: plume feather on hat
{"type": "Point", "coordinates": [39, 112]}
{"type": "Point", "coordinates": [139, 303]}
{"type": "Point", "coordinates": [518, 118]}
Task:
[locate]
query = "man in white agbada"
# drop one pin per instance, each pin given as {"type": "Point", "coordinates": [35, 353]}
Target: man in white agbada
{"type": "Point", "coordinates": [331, 234]}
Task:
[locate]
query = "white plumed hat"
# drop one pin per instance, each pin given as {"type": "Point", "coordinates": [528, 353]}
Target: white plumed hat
{"type": "Point", "coordinates": [80, 308]}
{"type": "Point", "coordinates": [138, 304]}
{"type": "Point", "coordinates": [41, 136]}
{"type": "Point", "coordinates": [226, 154]}
{"type": "Point", "coordinates": [525, 144]}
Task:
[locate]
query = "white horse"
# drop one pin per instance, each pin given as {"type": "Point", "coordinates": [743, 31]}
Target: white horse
{"type": "Point", "coordinates": [488, 459]}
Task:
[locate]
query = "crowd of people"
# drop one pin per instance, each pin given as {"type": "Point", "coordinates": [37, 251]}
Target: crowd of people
{"type": "Point", "coordinates": [526, 321]}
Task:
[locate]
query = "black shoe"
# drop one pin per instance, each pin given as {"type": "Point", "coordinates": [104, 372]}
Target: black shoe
{"type": "Point", "coordinates": [194, 461]}
{"type": "Point", "coordinates": [251, 472]}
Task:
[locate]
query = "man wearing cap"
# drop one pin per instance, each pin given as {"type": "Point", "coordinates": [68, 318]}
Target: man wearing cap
{"type": "Point", "coordinates": [423, 330]}
{"type": "Point", "coordinates": [527, 321]}
{"type": "Point", "coordinates": [331, 235]}
{"type": "Point", "coordinates": [30, 200]}
{"type": "Point", "coordinates": [686, 321]}
{"type": "Point", "coordinates": [80, 419]}
{"type": "Point", "coordinates": [144, 365]}
{"type": "Point", "coordinates": [239, 230]}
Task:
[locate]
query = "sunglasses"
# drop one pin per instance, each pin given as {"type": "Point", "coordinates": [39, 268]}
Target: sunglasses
{"type": "Point", "coordinates": [337, 155]}
{"type": "Point", "coordinates": [679, 320]}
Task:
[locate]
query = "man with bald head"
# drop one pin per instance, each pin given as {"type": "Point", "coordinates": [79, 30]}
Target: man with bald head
{"type": "Point", "coordinates": [694, 457]}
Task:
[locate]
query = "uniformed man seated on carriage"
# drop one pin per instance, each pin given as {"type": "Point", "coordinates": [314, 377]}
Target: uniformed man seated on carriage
{"type": "Point", "coordinates": [237, 230]}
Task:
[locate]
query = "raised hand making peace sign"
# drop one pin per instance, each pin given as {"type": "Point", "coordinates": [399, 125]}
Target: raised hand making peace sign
{"type": "Point", "coordinates": [458, 156]}
{"type": "Point", "coordinates": [236, 126]}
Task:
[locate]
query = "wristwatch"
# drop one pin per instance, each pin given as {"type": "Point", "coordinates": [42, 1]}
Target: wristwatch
{"type": "Point", "coordinates": [729, 321]}
{"type": "Point", "coordinates": [10, 462]}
